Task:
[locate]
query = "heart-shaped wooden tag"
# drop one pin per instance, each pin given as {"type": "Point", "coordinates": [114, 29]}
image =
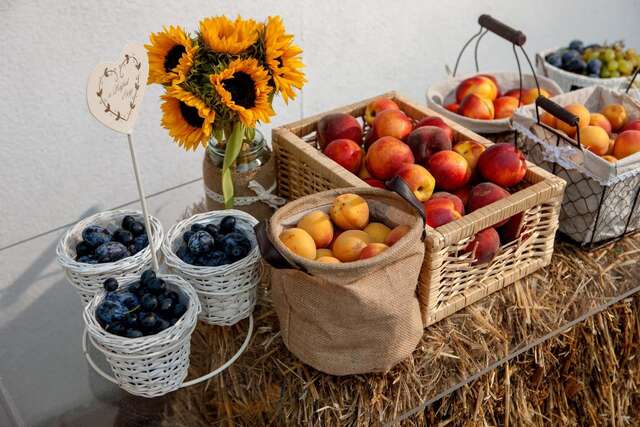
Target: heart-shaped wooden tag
{"type": "Point", "coordinates": [115, 90]}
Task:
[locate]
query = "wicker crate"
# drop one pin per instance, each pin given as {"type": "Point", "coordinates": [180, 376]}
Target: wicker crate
{"type": "Point", "coordinates": [448, 280]}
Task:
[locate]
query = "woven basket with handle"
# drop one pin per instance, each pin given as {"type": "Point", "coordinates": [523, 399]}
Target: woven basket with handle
{"type": "Point", "coordinates": [448, 280]}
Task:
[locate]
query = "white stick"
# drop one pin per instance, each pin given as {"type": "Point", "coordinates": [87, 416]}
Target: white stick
{"type": "Point", "coordinates": [143, 201]}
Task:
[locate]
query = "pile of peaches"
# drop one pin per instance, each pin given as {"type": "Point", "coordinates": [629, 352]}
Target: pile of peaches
{"type": "Point", "coordinates": [467, 175]}
{"type": "Point", "coordinates": [610, 133]}
{"type": "Point", "coordinates": [343, 235]}
{"type": "Point", "coordinates": [479, 97]}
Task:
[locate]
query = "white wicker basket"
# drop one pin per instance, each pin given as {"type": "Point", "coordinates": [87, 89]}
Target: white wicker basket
{"type": "Point", "coordinates": [443, 93]}
{"type": "Point", "coordinates": [228, 292]}
{"type": "Point", "coordinates": [152, 365]}
{"type": "Point", "coordinates": [571, 81]}
{"type": "Point", "coordinates": [88, 278]}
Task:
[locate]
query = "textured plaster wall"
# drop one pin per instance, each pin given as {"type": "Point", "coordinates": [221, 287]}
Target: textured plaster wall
{"type": "Point", "coordinates": [57, 162]}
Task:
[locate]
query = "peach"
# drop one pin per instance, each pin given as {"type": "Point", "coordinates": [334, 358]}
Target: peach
{"type": "Point", "coordinates": [375, 182]}
{"type": "Point", "coordinates": [529, 96]}
{"type": "Point", "coordinates": [627, 143]}
{"type": "Point", "coordinates": [437, 122]}
{"type": "Point", "coordinates": [299, 242]}
{"type": "Point", "coordinates": [514, 93]}
{"type": "Point", "coordinates": [480, 85]}
{"type": "Point", "coordinates": [485, 194]}
{"type": "Point", "coordinates": [477, 107]}
{"type": "Point", "coordinates": [377, 231]}
{"type": "Point", "coordinates": [453, 107]}
{"type": "Point", "coordinates": [323, 252]}
{"type": "Point", "coordinates": [494, 80]}
{"type": "Point", "coordinates": [386, 156]}
{"type": "Point", "coordinates": [440, 212]}
{"type": "Point", "coordinates": [349, 244]}
{"type": "Point", "coordinates": [450, 170]}
{"type": "Point", "coordinates": [471, 152]}
{"type": "Point", "coordinates": [376, 106]}
{"type": "Point", "coordinates": [419, 180]}
{"type": "Point", "coordinates": [609, 158]}
{"type": "Point", "coordinates": [548, 119]}
{"type": "Point", "coordinates": [484, 246]}
{"type": "Point", "coordinates": [632, 125]}
{"type": "Point", "coordinates": [373, 249]}
{"type": "Point", "coordinates": [505, 106]}
{"type": "Point", "coordinates": [616, 114]}
{"type": "Point", "coordinates": [427, 140]}
{"type": "Point", "coordinates": [502, 164]}
{"type": "Point", "coordinates": [463, 194]}
{"type": "Point", "coordinates": [346, 153]}
{"type": "Point", "coordinates": [393, 123]}
{"type": "Point", "coordinates": [457, 202]}
{"type": "Point", "coordinates": [350, 211]}
{"type": "Point", "coordinates": [328, 260]}
{"type": "Point", "coordinates": [337, 126]}
{"type": "Point", "coordinates": [511, 229]}
{"type": "Point", "coordinates": [595, 139]}
{"type": "Point", "coordinates": [319, 226]}
{"type": "Point", "coordinates": [396, 234]}
{"type": "Point", "coordinates": [598, 119]}
{"type": "Point", "coordinates": [584, 117]}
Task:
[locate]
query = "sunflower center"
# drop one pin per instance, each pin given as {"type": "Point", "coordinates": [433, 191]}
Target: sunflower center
{"type": "Point", "coordinates": [242, 89]}
{"type": "Point", "coordinates": [190, 115]}
{"type": "Point", "coordinates": [173, 57]}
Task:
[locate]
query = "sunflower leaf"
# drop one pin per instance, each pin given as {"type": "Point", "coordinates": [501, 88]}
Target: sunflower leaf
{"type": "Point", "coordinates": [231, 152]}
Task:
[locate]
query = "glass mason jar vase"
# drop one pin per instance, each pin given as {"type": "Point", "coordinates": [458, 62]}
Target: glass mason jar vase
{"type": "Point", "coordinates": [255, 163]}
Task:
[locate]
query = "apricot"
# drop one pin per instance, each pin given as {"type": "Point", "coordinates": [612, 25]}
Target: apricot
{"type": "Point", "coordinates": [598, 119]}
{"type": "Point", "coordinates": [350, 212]}
{"type": "Point", "coordinates": [626, 144]}
{"type": "Point", "coordinates": [584, 117]}
{"type": "Point", "coordinates": [377, 231]}
{"type": "Point", "coordinates": [350, 244]}
{"type": "Point", "coordinates": [328, 260]}
{"type": "Point", "coordinates": [548, 119]}
{"type": "Point", "coordinates": [529, 96]}
{"type": "Point", "coordinates": [616, 114]}
{"type": "Point", "coordinates": [326, 252]}
{"type": "Point", "coordinates": [484, 246]}
{"type": "Point", "coordinates": [609, 158]}
{"type": "Point", "coordinates": [299, 242]}
{"type": "Point", "coordinates": [595, 139]}
{"type": "Point", "coordinates": [373, 249]}
{"type": "Point", "coordinates": [318, 225]}
{"type": "Point", "coordinates": [396, 234]}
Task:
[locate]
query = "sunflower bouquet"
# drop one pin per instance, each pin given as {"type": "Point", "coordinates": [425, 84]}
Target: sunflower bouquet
{"type": "Point", "coordinates": [221, 82]}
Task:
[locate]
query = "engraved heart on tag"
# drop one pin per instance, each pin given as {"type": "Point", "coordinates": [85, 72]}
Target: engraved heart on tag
{"type": "Point", "coordinates": [115, 90]}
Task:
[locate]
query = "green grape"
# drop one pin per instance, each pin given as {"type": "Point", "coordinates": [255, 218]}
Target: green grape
{"type": "Point", "coordinates": [608, 55]}
{"type": "Point", "coordinates": [605, 73]}
{"type": "Point", "coordinates": [630, 53]}
{"type": "Point", "coordinates": [588, 55]}
{"type": "Point", "coordinates": [615, 73]}
{"type": "Point", "coordinates": [625, 67]}
{"type": "Point", "coordinates": [612, 65]}
{"type": "Point", "coordinates": [619, 55]}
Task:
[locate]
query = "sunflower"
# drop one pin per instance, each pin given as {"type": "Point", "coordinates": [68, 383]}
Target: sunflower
{"type": "Point", "coordinates": [283, 58]}
{"type": "Point", "coordinates": [222, 35]}
{"type": "Point", "coordinates": [244, 87]}
{"type": "Point", "coordinates": [187, 118]}
{"type": "Point", "coordinates": [170, 54]}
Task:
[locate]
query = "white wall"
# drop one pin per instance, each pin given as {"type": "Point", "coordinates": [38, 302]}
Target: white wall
{"type": "Point", "coordinates": [57, 162]}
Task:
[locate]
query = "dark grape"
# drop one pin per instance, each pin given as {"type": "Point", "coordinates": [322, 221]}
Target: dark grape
{"type": "Point", "coordinates": [149, 302]}
{"type": "Point", "coordinates": [83, 248]}
{"type": "Point", "coordinates": [227, 224]}
{"type": "Point", "coordinates": [110, 285]}
{"type": "Point", "coordinates": [127, 222]}
{"type": "Point", "coordinates": [157, 286]}
{"type": "Point", "coordinates": [95, 235]}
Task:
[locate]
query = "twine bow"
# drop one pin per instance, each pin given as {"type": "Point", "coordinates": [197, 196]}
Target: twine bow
{"type": "Point", "coordinates": [262, 195]}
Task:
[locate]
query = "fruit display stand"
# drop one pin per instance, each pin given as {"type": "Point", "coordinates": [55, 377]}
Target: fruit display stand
{"type": "Point", "coordinates": [601, 199]}
{"type": "Point", "coordinates": [448, 280]}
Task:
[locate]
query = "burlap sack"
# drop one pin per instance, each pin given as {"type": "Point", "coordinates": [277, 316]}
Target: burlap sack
{"type": "Point", "coordinates": [354, 317]}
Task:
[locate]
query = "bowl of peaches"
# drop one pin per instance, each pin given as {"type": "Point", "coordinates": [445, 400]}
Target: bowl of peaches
{"type": "Point", "coordinates": [485, 103]}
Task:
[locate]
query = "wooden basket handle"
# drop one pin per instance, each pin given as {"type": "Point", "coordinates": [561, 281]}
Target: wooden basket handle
{"type": "Point", "coordinates": [502, 30]}
{"type": "Point", "coordinates": [400, 187]}
{"type": "Point", "coordinates": [557, 111]}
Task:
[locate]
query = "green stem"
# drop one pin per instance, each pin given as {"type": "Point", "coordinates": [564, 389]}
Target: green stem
{"type": "Point", "coordinates": [232, 150]}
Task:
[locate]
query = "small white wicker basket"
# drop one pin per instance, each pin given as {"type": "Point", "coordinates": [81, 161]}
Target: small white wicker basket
{"type": "Point", "coordinates": [152, 365]}
{"type": "Point", "coordinates": [88, 278]}
{"type": "Point", "coordinates": [227, 293]}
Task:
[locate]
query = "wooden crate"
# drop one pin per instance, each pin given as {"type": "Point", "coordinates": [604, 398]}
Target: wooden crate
{"type": "Point", "coordinates": [448, 280]}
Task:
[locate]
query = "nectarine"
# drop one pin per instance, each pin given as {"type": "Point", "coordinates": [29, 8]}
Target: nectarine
{"type": "Point", "coordinates": [336, 126]}
{"type": "Point", "coordinates": [477, 107]}
{"type": "Point", "coordinates": [450, 169]}
{"type": "Point", "coordinates": [484, 246]}
{"type": "Point", "coordinates": [502, 164]}
{"type": "Point", "coordinates": [627, 143]}
{"type": "Point", "coordinates": [386, 156]}
{"type": "Point", "coordinates": [419, 180]}
{"type": "Point", "coordinates": [437, 122]}
{"type": "Point", "coordinates": [393, 123]}
{"type": "Point", "coordinates": [346, 153]}
{"type": "Point", "coordinates": [479, 85]}
{"type": "Point", "coordinates": [427, 140]}
{"type": "Point", "coordinates": [376, 106]}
